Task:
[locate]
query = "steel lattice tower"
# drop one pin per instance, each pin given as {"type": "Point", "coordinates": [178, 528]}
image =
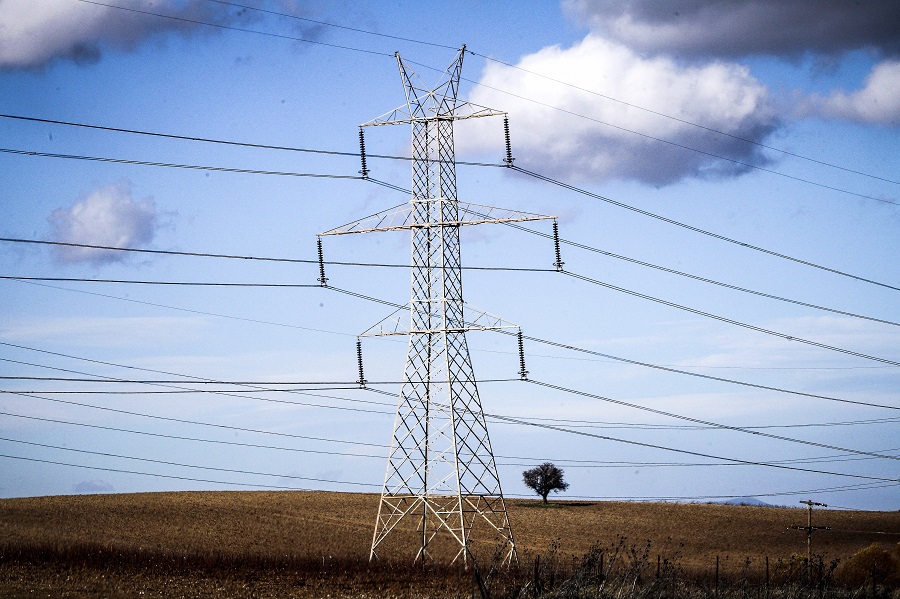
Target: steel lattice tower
{"type": "Point", "coordinates": [441, 472]}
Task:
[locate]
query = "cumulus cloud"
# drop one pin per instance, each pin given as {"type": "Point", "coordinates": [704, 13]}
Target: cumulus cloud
{"type": "Point", "coordinates": [108, 216]}
{"type": "Point", "coordinates": [722, 96]}
{"type": "Point", "coordinates": [876, 103]}
{"type": "Point", "coordinates": [32, 34]}
{"type": "Point", "coordinates": [742, 27]}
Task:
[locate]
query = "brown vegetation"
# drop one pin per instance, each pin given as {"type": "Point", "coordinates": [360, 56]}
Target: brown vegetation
{"type": "Point", "coordinates": [266, 544]}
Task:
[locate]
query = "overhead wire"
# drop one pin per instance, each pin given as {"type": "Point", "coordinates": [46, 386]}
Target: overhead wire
{"type": "Point", "coordinates": [629, 499]}
{"type": "Point", "coordinates": [647, 364]}
{"type": "Point", "coordinates": [614, 439]}
{"type": "Point", "coordinates": [676, 144]}
{"type": "Point", "coordinates": [397, 188]}
{"type": "Point", "coordinates": [556, 428]}
{"type": "Point", "coordinates": [566, 462]}
{"type": "Point", "coordinates": [729, 320]}
{"type": "Point", "coordinates": [479, 83]}
{"type": "Point", "coordinates": [654, 366]}
{"type": "Point", "coordinates": [221, 169]}
{"type": "Point", "coordinates": [168, 476]}
{"type": "Point", "coordinates": [240, 29]}
{"type": "Point", "coordinates": [210, 441]}
{"type": "Point", "coordinates": [181, 465]}
{"type": "Point", "coordinates": [606, 357]}
{"type": "Point", "coordinates": [697, 277]}
{"type": "Point", "coordinates": [226, 142]}
{"type": "Point", "coordinates": [716, 425]}
{"type": "Point", "coordinates": [699, 230]}
{"type": "Point", "coordinates": [497, 416]}
{"type": "Point", "coordinates": [678, 119]}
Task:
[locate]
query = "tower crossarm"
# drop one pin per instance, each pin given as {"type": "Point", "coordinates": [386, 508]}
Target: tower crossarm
{"type": "Point", "coordinates": [402, 218]}
{"type": "Point", "coordinates": [398, 323]}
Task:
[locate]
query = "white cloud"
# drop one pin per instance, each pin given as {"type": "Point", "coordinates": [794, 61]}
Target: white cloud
{"type": "Point", "coordinates": [877, 103]}
{"type": "Point", "coordinates": [109, 217]}
{"type": "Point", "coordinates": [34, 33]}
{"type": "Point", "coordinates": [742, 27]}
{"type": "Point", "coordinates": [719, 95]}
{"type": "Point", "coordinates": [93, 487]}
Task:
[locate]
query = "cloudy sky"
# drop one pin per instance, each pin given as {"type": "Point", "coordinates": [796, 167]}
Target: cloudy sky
{"type": "Point", "coordinates": [732, 208]}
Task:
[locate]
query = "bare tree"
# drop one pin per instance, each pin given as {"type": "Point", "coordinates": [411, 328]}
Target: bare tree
{"type": "Point", "coordinates": [545, 478]}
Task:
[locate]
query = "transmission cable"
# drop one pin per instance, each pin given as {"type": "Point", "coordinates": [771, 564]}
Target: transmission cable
{"type": "Point", "coordinates": [344, 47]}
{"type": "Point", "coordinates": [697, 277]}
{"type": "Point", "coordinates": [728, 320]}
{"type": "Point", "coordinates": [180, 166]}
{"type": "Point", "coordinates": [608, 357]}
{"type": "Point", "coordinates": [674, 118]}
{"type": "Point", "coordinates": [567, 462]}
{"type": "Point", "coordinates": [670, 221]}
{"type": "Point", "coordinates": [645, 364]}
{"type": "Point", "coordinates": [686, 451]}
{"type": "Point", "coordinates": [166, 463]}
{"type": "Point", "coordinates": [192, 422]}
{"type": "Point", "coordinates": [706, 422]}
{"type": "Point", "coordinates": [240, 29]}
{"type": "Point", "coordinates": [169, 476]}
{"type": "Point", "coordinates": [211, 441]}
{"type": "Point", "coordinates": [226, 142]}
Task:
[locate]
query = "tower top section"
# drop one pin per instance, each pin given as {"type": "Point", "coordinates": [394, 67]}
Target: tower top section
{"type": "Point", "coordinates": [426, 103]}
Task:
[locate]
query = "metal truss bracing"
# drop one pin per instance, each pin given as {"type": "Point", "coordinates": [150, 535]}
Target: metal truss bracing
{"type": "Point", "coordinates": [441, 487]}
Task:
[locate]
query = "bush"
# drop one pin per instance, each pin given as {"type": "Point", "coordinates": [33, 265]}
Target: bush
{"type": "Point", "coordinates": [884, 560]}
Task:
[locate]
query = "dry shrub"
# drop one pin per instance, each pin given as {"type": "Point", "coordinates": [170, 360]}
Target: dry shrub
{"type": "Point", "coordinates": [883, 561]}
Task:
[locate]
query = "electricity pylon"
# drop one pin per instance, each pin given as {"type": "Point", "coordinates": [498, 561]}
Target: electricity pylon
{"type": "Point", "coordinates": [441, 474]}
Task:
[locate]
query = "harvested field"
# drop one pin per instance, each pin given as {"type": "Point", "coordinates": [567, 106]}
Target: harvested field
{"type": "Point", "coordinates": [280, 544]}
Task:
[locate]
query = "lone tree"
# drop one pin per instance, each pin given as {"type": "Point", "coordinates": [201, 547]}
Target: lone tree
{"type": "Point", "coordinates": [545, 478]}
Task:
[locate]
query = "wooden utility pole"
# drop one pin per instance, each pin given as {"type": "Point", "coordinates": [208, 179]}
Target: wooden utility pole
{"type": "Point", "coordinates": [809, 528]}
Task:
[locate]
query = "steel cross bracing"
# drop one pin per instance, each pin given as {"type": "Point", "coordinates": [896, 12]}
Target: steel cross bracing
{"type": "Point", "coordinates": [441, 475]}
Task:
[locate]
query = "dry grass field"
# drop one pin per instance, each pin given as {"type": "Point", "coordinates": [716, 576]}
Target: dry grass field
{"type": "Point", "coordinates": [284, 544]}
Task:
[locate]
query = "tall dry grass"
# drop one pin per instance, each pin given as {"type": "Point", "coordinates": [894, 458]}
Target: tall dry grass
{"type": "Point", "coordinates": [261, 544]}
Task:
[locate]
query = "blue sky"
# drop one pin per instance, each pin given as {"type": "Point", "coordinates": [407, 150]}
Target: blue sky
{"type": "Point", "coordinates": [588, 85]}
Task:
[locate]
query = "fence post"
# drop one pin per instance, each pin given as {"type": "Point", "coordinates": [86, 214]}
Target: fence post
{"type": "Point", "coordinates": [717, 576]}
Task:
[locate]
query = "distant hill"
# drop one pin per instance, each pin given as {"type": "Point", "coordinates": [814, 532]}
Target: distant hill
{"type": "Point", "coordinates": [746, 501]}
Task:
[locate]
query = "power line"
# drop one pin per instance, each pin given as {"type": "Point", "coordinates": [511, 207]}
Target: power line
{"type": "Point", "coordinates": [607, 357]}
{"type": "Point", "coordinates": [688, 452]}
{"type": "Point", "coordinates": [344, 47]}
{"type": "Point", "coordinates": [301, 286]}
{"type": "Point", "coordinates": [226, 142]}
{"type": "Point", "coordinates": [707, 422]}
{"type": "Point", "coordinates": [229, 256]}
{"type": "Point", "coordinates": [169, 476]}
{"type": "Point", "coordinates": [683, 146]}
{"type": "Point", "coordinates": [567, 462]}
{"type": "Point", "coordinates": [670, 221]}
{"type": "Point", "coordinates": [190, 311]}
{"type": "Point", "coordinates": [699, 278]}
{"type": "Point", "coordinates": [674, 118]}
{"type": "Point", "coordinates": [166, 463]}
{"type": "Point", "coordinates": [172, 165]}
{"type": "Point", "coordinates": [196, 422]}
{"type": "Point", "coordinates": [240, 29]}
{"type": "Point", "coordinates": [170, 283]}
{"type": "Point", "coordinates": [729, 320]}
{"type": "Point", "coordinates": [499, 417]}
{"type": "Point", "coordinates": [647, 364]}
{"type": "Point", "coordinates": [212, 441]}
{"type": "Point", "coordinates": [327, 24]}
{"type": "Point", "coordinates": [704, 376]}
{"type": "Point", "coordinates": [631, 498]}
{"type": "Point", "coordinates": [574, 423]}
